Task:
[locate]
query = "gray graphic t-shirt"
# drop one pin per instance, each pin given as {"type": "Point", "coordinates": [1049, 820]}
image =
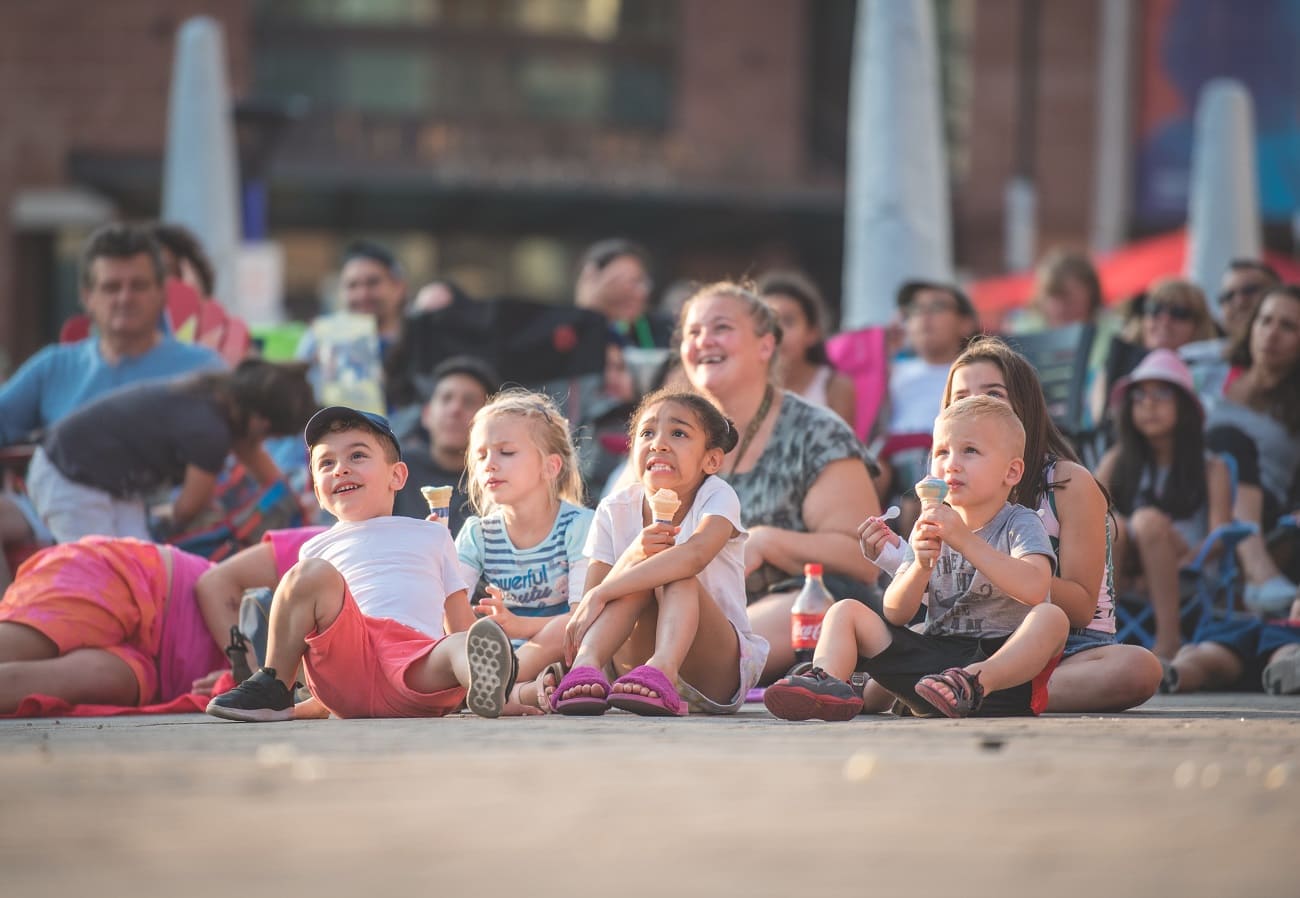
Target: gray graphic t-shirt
{"type": "Point", "coordinates": [962, 601]}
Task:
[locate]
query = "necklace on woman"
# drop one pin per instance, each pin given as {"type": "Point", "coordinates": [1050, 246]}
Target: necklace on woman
{"type": "Point", "coordinates": [754, 424]}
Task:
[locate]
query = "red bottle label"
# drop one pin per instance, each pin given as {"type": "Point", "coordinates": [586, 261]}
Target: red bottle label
{"type": "Point", "coordinates": [805, 630]}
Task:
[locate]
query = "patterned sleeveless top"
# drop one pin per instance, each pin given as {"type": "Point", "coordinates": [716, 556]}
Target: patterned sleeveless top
{"type": "Point", "coordinates": [1103, 619]}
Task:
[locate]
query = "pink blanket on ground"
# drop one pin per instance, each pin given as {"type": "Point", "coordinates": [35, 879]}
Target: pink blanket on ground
{"type": "Point", "coordinates": [49, 706]}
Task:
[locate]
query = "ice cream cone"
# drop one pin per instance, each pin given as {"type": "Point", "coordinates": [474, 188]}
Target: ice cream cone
{"type": "Point", "coordinates": [439, 499]}
{"type": "Point", "coordinates": [663, 505]}
{"type": "Point", "coordinates": [931, 491]}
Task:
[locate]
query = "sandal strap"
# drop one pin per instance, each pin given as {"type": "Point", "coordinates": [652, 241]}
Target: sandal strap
{"type": "Point", "coordinates": [968, 693]}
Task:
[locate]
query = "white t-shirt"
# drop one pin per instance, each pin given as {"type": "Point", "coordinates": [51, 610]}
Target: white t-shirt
{"type": "Point", "coordinates": [395, 567]}
{"type": "Point", "coordinates": [915, 394]}
{"type": "Point", "coordinates": [618, 524]}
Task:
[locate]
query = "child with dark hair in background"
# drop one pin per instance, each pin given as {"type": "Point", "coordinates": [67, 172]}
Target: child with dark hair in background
{"type": "Point", "coordinates": [665, 593]}
{"type": "Point", "coordinates": [805, 368]}
{"type": "Point", "coordinates": [95, 467]}
{"type": "Point", "coordinates": [1167, 491]}
{"type": "Point", "coordinates": [435, 454]}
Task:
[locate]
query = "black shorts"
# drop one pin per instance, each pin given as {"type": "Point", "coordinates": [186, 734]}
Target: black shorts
{"type": "Point", "coordinates": [911, 656]}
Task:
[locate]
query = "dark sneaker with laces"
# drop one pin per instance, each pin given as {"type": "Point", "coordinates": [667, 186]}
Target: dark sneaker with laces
{"type": "Point", "coordinates": [259, 699]}
{"type": "Point", "coordinates": [813, 695]}
{"type": "Point", "coordinates": [492, 668]}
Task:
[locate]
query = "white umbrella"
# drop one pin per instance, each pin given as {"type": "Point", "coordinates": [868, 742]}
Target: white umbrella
{"type": "Point", "coordinates": [897, 212]}
{"type": "Point", "coordinates": [1223, 203]}
{"type": "Point", "coordinates": [200, 171]}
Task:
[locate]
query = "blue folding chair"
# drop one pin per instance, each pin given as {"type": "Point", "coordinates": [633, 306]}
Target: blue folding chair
{"type": "Point", "coordinates": [1211, 584]}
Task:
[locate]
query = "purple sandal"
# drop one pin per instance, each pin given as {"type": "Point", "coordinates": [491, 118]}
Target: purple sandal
{"type": "Point", "coordinates": [667, 703]}
{"type": "Point", "coordinates": [581, 705]}
{"type": "Point", "coordinates": [967, 693]}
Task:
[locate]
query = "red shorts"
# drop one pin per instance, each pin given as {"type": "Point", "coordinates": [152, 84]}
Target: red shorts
{"type": "Point", "coordinates": [357, 668]}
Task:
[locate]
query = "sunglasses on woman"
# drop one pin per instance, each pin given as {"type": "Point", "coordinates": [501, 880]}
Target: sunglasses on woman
{"type": "Point", "coordinates": [1173, 310]}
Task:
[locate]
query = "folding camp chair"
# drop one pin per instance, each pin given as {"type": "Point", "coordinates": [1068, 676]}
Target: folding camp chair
{"type": "Point", "coordinates": [1211, 582]}
{"type": "Point", "coordinates": [1061, 357]}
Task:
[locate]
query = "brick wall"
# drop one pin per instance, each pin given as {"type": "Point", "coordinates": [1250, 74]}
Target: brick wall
{"type": "Point", "coordinates": [85, 75]}
{"type": "Point", "coordinates": [740, 106]}
{"type": "Point", "coordinates": [1065, 131]}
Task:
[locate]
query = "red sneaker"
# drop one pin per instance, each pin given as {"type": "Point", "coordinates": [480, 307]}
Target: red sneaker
{"type": "Point", "coordinates": [813, 695]}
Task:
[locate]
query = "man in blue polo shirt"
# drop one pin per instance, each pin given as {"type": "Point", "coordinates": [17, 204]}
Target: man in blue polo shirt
{"type": "Point", "coordinates": [122, 291]}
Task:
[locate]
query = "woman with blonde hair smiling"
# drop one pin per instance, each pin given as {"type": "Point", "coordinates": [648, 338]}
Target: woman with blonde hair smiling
{"type": "Point", "coordinates": [803, 478]}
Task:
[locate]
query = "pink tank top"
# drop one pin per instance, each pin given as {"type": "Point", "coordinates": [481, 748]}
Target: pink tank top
{"type": "Point", "coordinates": [1103, 619]}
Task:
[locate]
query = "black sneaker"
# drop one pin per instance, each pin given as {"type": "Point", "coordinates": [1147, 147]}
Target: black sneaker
{"type": "Point", "coordinates": [815, 694]}
{"type": "Point", "coordinates": [492, 668]}
{"type": "Point", "coordinates": [259, 699]}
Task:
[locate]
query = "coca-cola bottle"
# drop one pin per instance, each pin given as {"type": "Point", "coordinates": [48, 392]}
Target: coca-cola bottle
{"type": "Point", "coordinates": [807, 612]}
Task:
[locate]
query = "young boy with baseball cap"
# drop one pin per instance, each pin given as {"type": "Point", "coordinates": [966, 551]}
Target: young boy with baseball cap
{"type": "Point", "coordinates": [364, 608]}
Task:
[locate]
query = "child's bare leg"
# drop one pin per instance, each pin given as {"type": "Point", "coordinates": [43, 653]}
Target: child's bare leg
{"type": "Point", "coordinates": [1039, 638]}
{"type": "Point", "coordinates": [83, 676]}
{"type": "Point", "coordinates": [851, 630]}
{"type": "Point", "coordinates": [1206, 665]}
{"type": "Point", "coordinates": [1252, 551]}
{"type": "Point", "coordinates": [447, 667]}
{"type": "Point", "coordinates": [308, 600]}
{"type": "Point", "coordinates": [876, 699]}
{"type": "Point", "coordinates": [694, 640]}
{"type": "Point", "coordinates": [607, 633]}
{"type": "Point", "coordinates": [546, 647]}
{"type": "Point", "coordinates": [19, 642]}
{"type": "Point", "coordinates": [1160, 548]}
{"type": "Point", "coordinates": [769, 617]}
{"type": "Point", "coordinates": [443, 668]}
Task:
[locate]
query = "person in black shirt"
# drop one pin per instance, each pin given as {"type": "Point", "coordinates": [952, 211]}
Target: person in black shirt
{"type": "Point", "coordinates": [436, 455]}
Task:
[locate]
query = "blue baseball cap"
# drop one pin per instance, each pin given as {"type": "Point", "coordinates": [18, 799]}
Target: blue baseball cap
{"type": "Point", "coordinates": [376, 424]}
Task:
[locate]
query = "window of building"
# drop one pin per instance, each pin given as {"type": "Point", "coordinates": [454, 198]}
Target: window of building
{"type": "Point", "coordinates": [597, 62]}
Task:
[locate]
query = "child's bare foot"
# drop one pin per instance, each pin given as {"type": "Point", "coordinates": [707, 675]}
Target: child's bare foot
{"type": "Point", "coordinates": [633, 689]}
{"type": "Point", "coordinates": [647, 690]}
{"type": "Point", "coordinates": [583, 690]}
{"type": "Point", "coordinates": [586, 692]}
{"type": "Point", "coordinates": [956, 692]}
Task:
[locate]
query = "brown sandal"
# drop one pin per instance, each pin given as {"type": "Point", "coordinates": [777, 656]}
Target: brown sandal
{"type": "Point", "coordinates": [967, 693]}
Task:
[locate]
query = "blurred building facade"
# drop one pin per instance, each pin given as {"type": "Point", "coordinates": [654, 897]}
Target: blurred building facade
{"type": "Point", "coordinates": [490, 140]}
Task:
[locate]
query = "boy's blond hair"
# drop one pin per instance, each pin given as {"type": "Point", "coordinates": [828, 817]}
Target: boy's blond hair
{"type": "Point", "coordinates": [978, 408]}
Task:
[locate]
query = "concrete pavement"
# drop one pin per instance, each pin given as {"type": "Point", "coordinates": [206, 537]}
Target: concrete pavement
{"type": "Point", "coordinates": [1189, 795]}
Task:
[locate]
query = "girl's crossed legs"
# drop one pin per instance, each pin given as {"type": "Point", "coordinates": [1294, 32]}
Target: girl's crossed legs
{"type": "Point", "coordinates": [678, 629]}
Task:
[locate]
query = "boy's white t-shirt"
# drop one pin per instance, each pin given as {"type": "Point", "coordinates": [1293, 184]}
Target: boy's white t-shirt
{"type": "Point", "coordinates": [618, 524]}
{"type": "Point", "coordinates": [395, 567]}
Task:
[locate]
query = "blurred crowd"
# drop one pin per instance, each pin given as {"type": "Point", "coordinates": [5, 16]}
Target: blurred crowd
{"type": "Point", "coordinates": [160, 418]}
